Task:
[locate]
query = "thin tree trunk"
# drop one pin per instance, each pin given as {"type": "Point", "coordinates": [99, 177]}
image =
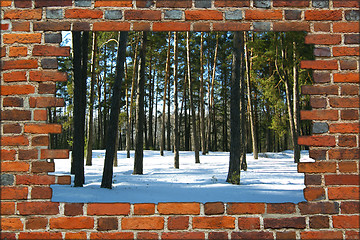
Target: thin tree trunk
{"type": "Point", "coordinates": [151, 103]}
{"type": "Point", "coordinates": [140, 114]}
{"type": "Point", "coordinates": [90, 131]}
{"type": "Point", "coordinates": [212, 108]}
{"type": "Point", "coordinates": [168, 125]}
{"type": "Point", "coordinates": [202, 108]}
{"type": "Point", "coordinates": [296, 108]}
{"type": "Point", "coordinates": [129, 121]}
{"type": "Point", "coordinates": [167, 73]}
{"type": "Point", "coordinates": [176, 120]}
{"type": "Point", "coordinates": [193, 115]}
{"type": "Point", "coordinates": [114, 115]}
{"type": "Point", "coordinates": [186, 127]}
{"type": "Point", "coordinates": [156, 118]}
{"type": "Point", "coordinates": [250, 104]}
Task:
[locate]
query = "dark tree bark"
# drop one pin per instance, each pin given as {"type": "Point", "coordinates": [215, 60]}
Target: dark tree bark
{"type": "Point", "coordinates": [140, 114]}
{"type": "Point", "coordinates": [237, 147]}
{"type": "Point", "coordinates": [176, 120]}
{"type": "Point", "coordinates": [193, 115]}
{"type": "Point", "coordinates": [114, 115]}
{"type": "Point", "coordinates": [151, 103]}
{"type": "Point", "coordinates": [80, 43]}
{"type": "Point", "coordinates": [202, 108]}
{"type": "Point", "coordinates": [296, 108]}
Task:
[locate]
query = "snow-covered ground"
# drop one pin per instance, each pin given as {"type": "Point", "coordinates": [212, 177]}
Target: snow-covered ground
{"type": "Point", "coordinates": [271, 178]}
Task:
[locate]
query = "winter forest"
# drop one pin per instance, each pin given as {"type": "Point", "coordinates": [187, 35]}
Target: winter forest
{"type": "Point", "coordinates": [236, 92]}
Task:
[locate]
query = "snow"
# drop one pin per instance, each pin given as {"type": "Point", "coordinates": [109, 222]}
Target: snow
{"type": "Point", "coordinates": [273, 178]}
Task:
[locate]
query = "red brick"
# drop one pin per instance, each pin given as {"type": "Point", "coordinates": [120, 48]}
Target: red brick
{"type": "Point", "coordinates": [323, 15]}
{"type": "Point", "coordinates": [64, 180]}
{"type": "Point", "coordinates": [11, 224]}
{"type": "Point", "coordinates": [147, 235]}
{"type": "Point", "coordinates": [324, 39]}
{"type": "Point", "coordinates": [41, 102]}
{"type": "Point", "coordinates": [252, 235]}
{"type": "Point", "coordinates": [15, 76]}
{"type": "Point", "coordinates": [352, 235]}
{"type": "Point", "coordinates": [174, 4]}
{"type": "Point", "coordinates": [40, 235]}
{"type": "Point", "coordinates": [341, 154]}
{"type": "Point", "coordinates": [150, 15]}
{"type": "Point", "coordinates": [178, 223]}
{"type": "Point", "coordinates": [346, 222]}
{"type": "Point", "coordinates": [346, 51]}
{"type": "Point", "coordinates": [342, 179]}
{"type": "Point", "coordinates": [5, 3]}
{"type": "Point", "coordinates": [20, 26]}
{"type": "Point", "coordinates": [40, 141]}
{"type": "Point", "coordinates": [317, 141]}
{"type": "Point", "coordinates": [35, 180]}
{"type": "Point", "coordinates": [14, 193]}
{"type": "Point", "coordinates": [47, 88]}
{"type": "Point", "coordinates": [7, 235]}
{"type": "Point", "coordinates": [182, 235]}
{"type": "Point", "coordinates": [7, 154]}
{"type": "Point", "coordinates": [320, 90]}
{"type": "Point", "coordinates": [285, 235]}
{"type": "Point", "coordinates": [52, 3]}
{"type": "Point", "coordinates": [321, 27]}
{"type": "Point", "coordinates": [141, 26]}
{"type": "Point", "coordinates": [348, 167]}
{"type": "Point", "coordinates": [318, 222]}
{"type": "Point", "coordinates": [317, 167]}
{"type": "Point", "coordinates": [223, 222]}
{"type": "Point", "coordinates": [278, 223]}
{"type": "Point", "coordinates": [42, 128]}
{"type": "Point", "coordinates": [4, 27]}
{"type": "Point", "coordinates": [106, 224]}
{"type": "Point", "coordinates": [232, 3]}
{"type": "Point", "coordinates": [51, 26]}
{"type": "Point", "coordinates": [346, 77]}
{"type": "Point", "coordinates": [109, 3]}
{"type": "Point", "coordinates": [350, 102]}
{"type": "Point", "coordinates": [346, 27]}
{"type": "Point", "coordinates": [41, 193]}
{"type": "Point", "coordinates": [245, 208]}
{"type": "Point", "coordinates": [343, 193]}
{"type": "Point", "coordinates": [14, 166]}
{"type": "Point", "coordinates": [144, 209]}
{"type": "Point", "coordinates": [171, 26]}
{"type": "Point", "coordinates": [263, 14]}
{"type": "Point", "coordinates": [40, 115]}
{"type": "Point", "coordinates": [54, 154]}
{"type": "Point", "coordinates": [42, 50]}
{"type": "Point", "coordinates": [348, 3]}
{"type": "Point", "coordinates": [72, 223]}
{"type": "Point", "coordinates": [29, 14]}
{"type": "Point", "coordinates": [2, 52]}
{"type": "Point", "coordinates": [203, 15]}
{"type": "Point", "coordinates": [7, 208]}
{"type": "Point", "coordinates": [321, 77]}
{"type": "Point", "coordinates": [319, 64]}
{"type": "Point", "coordinates": [316, 102]}
{"type": "Point", "coordinates": [350, 207]}
{"type": "Point", "coordinates": [17, 90]}
{"type": "Point", "coordinates": [111, 26]}
{"type": "Point", "coordinates": [321, 235]}
{"type": "Point", "coordinates": [42, 167]}
{"type": "Point", "coordinates": [314, 193]}
{"type": "Point", "coordinates": [112, 235]}
{"type": "Point", "coordinates": [344, 128]}
{"type": "Point", "coordinates": [280, 208]}
{"type": "Point", "coordinates": [245, 223]}
{"type": "Point", "coordinates": [347, 141]}
{"type": "Point", "coordinates": [19, 64]}
{"type": "Point", "coordinates": [179, 208]}
{"type": "Point", "coordinates": [16, 115]}
{"type": "Point", "coordinates": [108, 209]}
{"type": "Point", "coordinates": [28, 154]}
{"type": "Point", "coordinates": [142, 223]}
{"type": "Point", "coordinates": [23, 3]}
{"type": "Point", "coordinates": [294, 3]}
{"type": "Point", "coordinates": [73, 209]}
{"type": "Point", "coordinates": [18, 51]}
{"type": "Point", "coordinates": [201, 27]}
{"type": "Point", "coordinates": [350, 90]}
{"type": "Point", "coordinates": [349, 114]}
{"type": "Point", "coordinates": [83, 13]}
{"type": "Point", "coordinates": [218, 236]}
{"type": "Point", "coordinates": [13, 102]}
{"type": "Point", "coordinates": [213, 208]}
{"type": "Point", "coordinates": [14, 141]}
{"type": "Point", "coordinates": [11, 38]}
{"type": "Point", "coordinates": [319, 114]}
{"type": "Point", "coordinates": [38, 208]}
{"type": "Point", "coordinates": [318, 208]}
{"type": "Point", "coordinates": [76, 235]}
{"type": "Point", "coordinates": [291, 26]}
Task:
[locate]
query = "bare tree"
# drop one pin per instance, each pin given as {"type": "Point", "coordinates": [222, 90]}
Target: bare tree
{"type": "Point", "coordinates": [176, 117]}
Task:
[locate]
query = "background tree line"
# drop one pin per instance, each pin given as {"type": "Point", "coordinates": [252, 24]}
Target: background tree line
{"type": "Point", "coordinates": [187, 81]}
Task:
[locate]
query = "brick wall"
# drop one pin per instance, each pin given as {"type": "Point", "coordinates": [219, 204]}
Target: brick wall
{"type": "Point", "coordinates": [30, 32]}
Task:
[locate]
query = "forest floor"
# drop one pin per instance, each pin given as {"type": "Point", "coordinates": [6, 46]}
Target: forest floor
{"type": "Point", "coordinates": [271, 178]}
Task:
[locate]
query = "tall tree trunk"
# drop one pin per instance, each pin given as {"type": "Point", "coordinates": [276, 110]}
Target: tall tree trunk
{"type": "Point", "coordinates": [140, 114]}
{"type": "Point", "coordinates": [80, 43]}
{"type": "Point", "coordinates": [212, 107]}
{"type": "Point", "coordinates": [90, 131]}
{"type": "Point", "coordinates": [296, 108]}
{"type": "Point", "coordinates": [202, 108]}
{"type": "Point", "coordinates": [168, 122]}
{"type": "Point", "coordinates": [100, 131]}
{"type": "Point", "coordinates": [193, 115]}
{"type": "Point", "coordinates": [133, 84]}
{"type": "Point", "coordinates": [167, 73]}
{"type": "Point", "coordinates": [114, 115]}
{"type": "Point", "coordinates": [156, 117]}
{"type": "Point", "coordinates": [176, 120]}
{"type": "Point", "coordinates": [237, 105]}
{"type": "Point", "coordinates": [250, 104]}
{"type": "Point", "coordinates": [186, 127]}
{"type": "Point", "coordinates": [151, 103]}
